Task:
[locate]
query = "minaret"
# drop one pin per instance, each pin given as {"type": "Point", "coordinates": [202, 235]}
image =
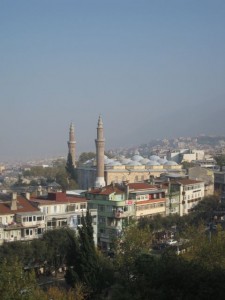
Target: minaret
{"type": "Point", "coordinates": [100, 147]}
{"type": "Point", "coordinates": [72, 144]}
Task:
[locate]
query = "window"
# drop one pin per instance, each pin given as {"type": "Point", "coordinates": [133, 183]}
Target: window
{"type": "Point", "coordinates": [82, 206]}
{"type": "Point", "coordinates": [101, 207]}
{"type": "Point", "coordinates": [34, 218]}
{"type": "Point", "coordinates": [101, 220]}
{"type": "Point", "coordinates": [71, 208]}
{"type": "Point", "coordinates": [45, 209]}
{"type": "Point", "coordinates": [29, 231]}
{"type": "Point", "coordinates": [30, 219]}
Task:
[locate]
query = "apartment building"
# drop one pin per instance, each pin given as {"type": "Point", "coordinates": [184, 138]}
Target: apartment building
{"type": "Point", "coordinates": [61, 210]}
{"type": "Point", "coordinates": [20, 220]}
{"type": "Point", "coordinates": [191, 192]}
{"type": "Point", "coordinates": [118, 204]}
{"type": "Point", "coordinates": [25, 218]}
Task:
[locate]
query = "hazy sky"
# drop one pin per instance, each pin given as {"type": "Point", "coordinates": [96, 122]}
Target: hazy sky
{"type": "Point", "coordinates": [151, 68]}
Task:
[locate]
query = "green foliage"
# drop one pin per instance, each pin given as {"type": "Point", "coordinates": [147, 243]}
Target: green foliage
{"type": "Point", "coordinates": [220, 160]}
{"type": "Point", "coordinates": [87, 266]}
{"type": "Point", "coordinates": [56, 173]}
{"type": "Point", "coordinates": [15, 283]}
{"type": "Point", "coordinates": [186, 165]}
{"type": "Point", "coordinates": [129, 247]}
{"type": "Point", "coordinates": [57, 243]}
{"type": "Point", "coordinates": [84, 156]}
{"type": "Point", "coordinates": [69, 166]}
{"type": "Point", "coordinates": [71, 173]}
{"type": "Point", "coordinates": [10, 251]}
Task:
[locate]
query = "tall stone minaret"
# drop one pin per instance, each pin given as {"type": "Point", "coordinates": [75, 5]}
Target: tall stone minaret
{"type": "Point", "coordinates": [100, 147]}
{"type": "Point", "coordinates": [72, 144]}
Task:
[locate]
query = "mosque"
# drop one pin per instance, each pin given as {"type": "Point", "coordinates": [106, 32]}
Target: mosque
{"type": "Point", "coordinates": [103, 171]}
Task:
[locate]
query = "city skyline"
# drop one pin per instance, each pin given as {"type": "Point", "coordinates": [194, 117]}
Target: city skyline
{"type": "Point", "coordinates": [152, 69]}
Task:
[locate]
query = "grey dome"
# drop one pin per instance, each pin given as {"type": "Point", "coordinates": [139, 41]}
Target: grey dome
{"type": "Point", "coordinates": [144, 161]}
{"type": "Point", "coordinates": [108, 161]}
{"type": "Point", "coordinates": [125, 161]}
{"type": "Point", "coordinates": [134, 163]}
{"type": "Point", "coordinates": [114, 163]}
{"type": "Point", "coordinates": [162, 161]}
{"type": "Point", "coordinates": [154, 157]}
{"type": "Point", "coordinates": [137, 157]}
{"type": "Point", "coordinates": [152, 163]}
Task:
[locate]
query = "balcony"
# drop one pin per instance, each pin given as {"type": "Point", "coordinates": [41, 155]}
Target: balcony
{"type": "Point", "coordinates": [118, 214]}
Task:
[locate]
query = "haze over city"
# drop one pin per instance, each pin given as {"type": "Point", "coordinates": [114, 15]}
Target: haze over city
{"type": "Point", "coordinates": [152, 69]}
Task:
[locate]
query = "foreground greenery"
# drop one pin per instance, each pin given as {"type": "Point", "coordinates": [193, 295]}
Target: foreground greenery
{"type": "Point", "coordinates": [135, 271]}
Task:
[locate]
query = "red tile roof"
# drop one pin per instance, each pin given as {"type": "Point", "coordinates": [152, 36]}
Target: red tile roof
{"type": "Point", "coordinates": [188, 181]}
{"type": "Point", "coordinates": [23, 205]}
{"type": "Point", "coordinates": [107, 190]}
{"type": "Point", "coordinates": [141, 186]}
{"type": "Point", "coordinates": [52, 202]}
{"type": "Point", "coordinates": [59, 198]}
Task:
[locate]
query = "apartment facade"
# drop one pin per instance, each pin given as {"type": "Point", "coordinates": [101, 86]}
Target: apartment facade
{"type": "Point", "coordinates": [191, 192]}
{"type": "Point", "coordinates": [20, 220]}
{"type": "Point", "coordinates": [118, 204]}
{"type": "Point", "coordinates": [24, 219]}
{"type": "Point", "coordinates": [62, 211]}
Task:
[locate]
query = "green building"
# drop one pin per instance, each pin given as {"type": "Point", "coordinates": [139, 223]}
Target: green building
{"type": "Point", "coordinates": [114, 211]}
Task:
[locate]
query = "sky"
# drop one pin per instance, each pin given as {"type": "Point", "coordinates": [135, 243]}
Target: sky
{"type": "Point", "coordinates": [152, 69]}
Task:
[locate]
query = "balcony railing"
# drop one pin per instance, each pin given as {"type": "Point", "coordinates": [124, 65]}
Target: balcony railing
{"type": "Point", "coordinates": [122, 214]}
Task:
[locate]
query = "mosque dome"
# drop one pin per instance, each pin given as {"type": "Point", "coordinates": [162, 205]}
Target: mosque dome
{"type": "Point", "coordinates": [108, 161]}
{"type": "Point", "coordinates": [154, 157]}
{"type": "Point", "coordinates": [89, 162]}
{"type": "Point", "coordinates": [125, 161]}
{"type": "Point", "coordinates": [137, 157]}
{"type": "Point", "coordinates": [162, 161]}
{"type": "Point", "coordinates": [152, 163]}
{"type": "Point", "coordinates": [144, 161]}
{"type": "Point", "coordinates": [134, 163]}
{"type": "Point", "coordinates": [114, 163]}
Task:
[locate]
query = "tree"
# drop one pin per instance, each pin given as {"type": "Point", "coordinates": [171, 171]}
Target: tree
{"type": "Point", "coordinates": [58, 244]}
{"type": "Point", "coordinates": [132, 244]}
{"type": "Point", "coordinates": [86, 265]}
{"type": "Point", "coordinates": [84, 156]}
{"type": "Point", "coordinates": [186, 165]}
{"type": "Point", "coordinates": [71, 172]}
{"type": "Point", "coordinates": [15, 283]}
{"type": "Point", "coordinates": [70, 166]}
{"type": "Point", "coordinates": [220, 160]}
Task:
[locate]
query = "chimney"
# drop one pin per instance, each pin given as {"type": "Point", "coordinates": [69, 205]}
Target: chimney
{"type": "Point", "coordinates": [27, 195]}
{"type": "Point", "coordinates": [13, 205]}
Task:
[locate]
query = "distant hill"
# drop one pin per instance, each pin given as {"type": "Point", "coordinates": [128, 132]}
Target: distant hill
{"type": "Point", "coordinates": [210, 140]}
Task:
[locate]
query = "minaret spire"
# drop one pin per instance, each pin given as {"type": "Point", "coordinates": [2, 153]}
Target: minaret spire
{"type": "Point", "coordinates": [100, 149]}
{"type": "Point", "coordinates": [72, 144]}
